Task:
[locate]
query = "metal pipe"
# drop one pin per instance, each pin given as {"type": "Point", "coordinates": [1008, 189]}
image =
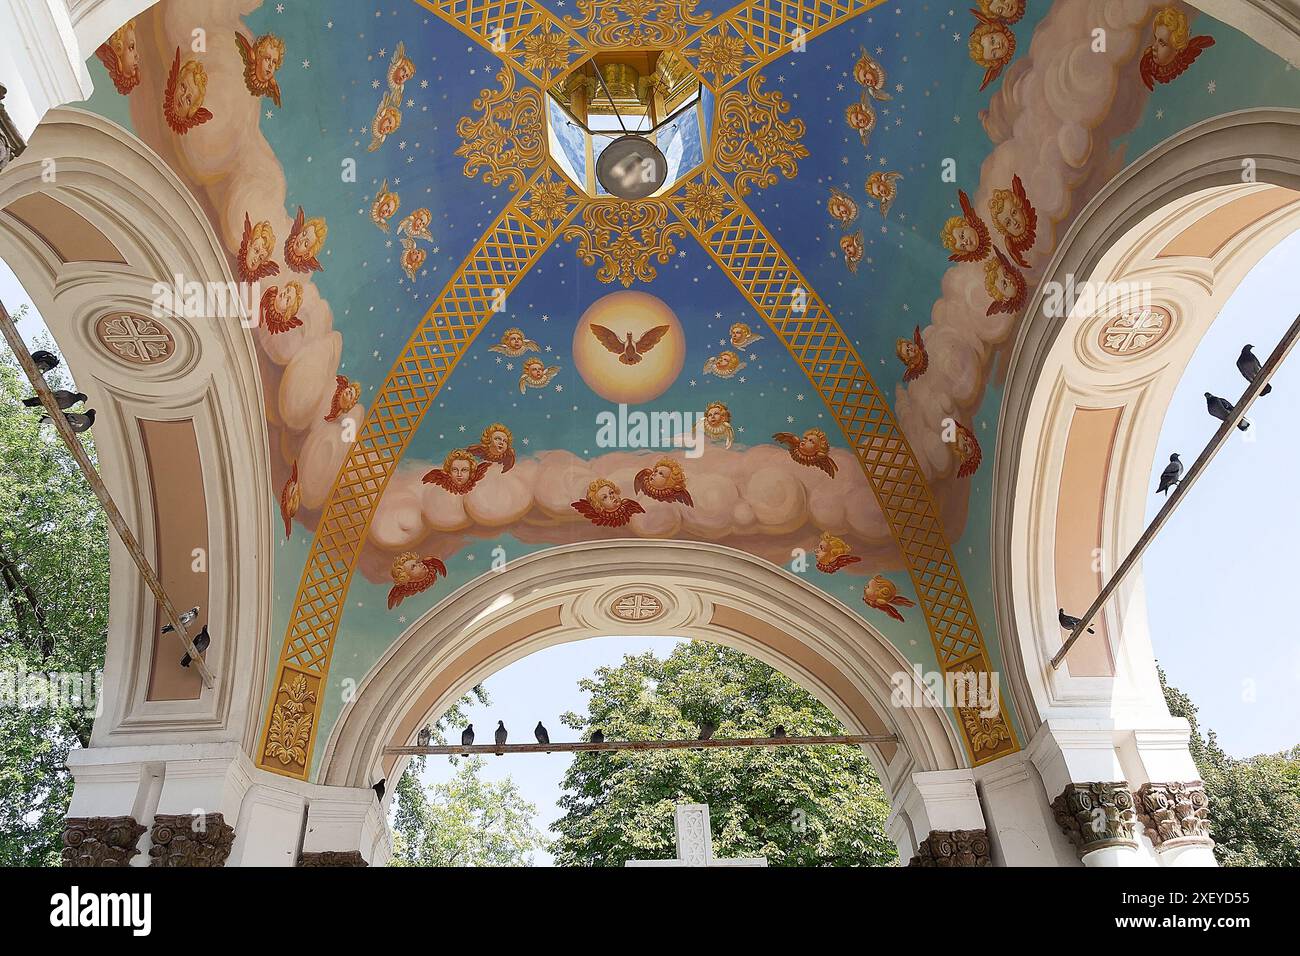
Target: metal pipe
{"type": "Point", "coordinates": [586, 745]}
{"type": "Point", "coordinates": [1184, 486]}
{"type": "Point", "coordinates": [19, 348]}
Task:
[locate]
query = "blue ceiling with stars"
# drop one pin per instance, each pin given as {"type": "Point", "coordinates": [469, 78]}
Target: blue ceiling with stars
{"type": "Point", "coordinates": [946, 150]}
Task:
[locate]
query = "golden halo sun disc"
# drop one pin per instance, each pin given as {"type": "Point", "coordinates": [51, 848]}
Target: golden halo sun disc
{"type": "Point", "coordinates": [621, 313]}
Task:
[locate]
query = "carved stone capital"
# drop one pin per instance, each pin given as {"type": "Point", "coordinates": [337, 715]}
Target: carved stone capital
{"type": "Point", "coordinates": [100, 841]}
{"type": "Point", "coordinates": [332, 858]}
{"type": "Point", "coordinates": [1175, 814]}
{"type": "Point", "coordinates": [190, 839]}
{"type": "Point", "coordinates": [954, 848]}
{"type": "Point", "coordinates": [1096, 815]}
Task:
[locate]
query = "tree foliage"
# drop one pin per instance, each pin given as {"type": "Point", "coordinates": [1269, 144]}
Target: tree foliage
{"type": "Point", "coordinates": [1254, 802]}
{"type": "Point", "coordinates": [53, 614]}
{"type": "Point", "coordinates": [466, 821]}
{"type": "Point", "coordinates": [797, 806]}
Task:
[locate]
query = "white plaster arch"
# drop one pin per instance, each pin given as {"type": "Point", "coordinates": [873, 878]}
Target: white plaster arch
{"type": "Point", "coordinates": [1057, 369]}
{"type": "Point", "coordinates": [1270, 23]}
{"type": "Point", "coordinates": [710, 593]}
{"type": "Point", "coordinates": [94, 21]}
{"type": "Point", "coordinates": [121, 187]}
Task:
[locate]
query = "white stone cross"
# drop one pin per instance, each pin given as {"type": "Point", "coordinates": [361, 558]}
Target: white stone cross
{"type": "Point", "coordinates": [695, 841]}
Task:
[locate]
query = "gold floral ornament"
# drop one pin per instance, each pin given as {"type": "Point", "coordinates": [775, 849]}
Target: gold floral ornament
{"type": "Point", "coordinates": [721, 55]}
{"type": "Point", "coordinates": [636, 23]}
{"type": "Point", "coordinates": [704, 203]}
{"type": "Point", "coordinates": [546, 52]}
{"type": "Point", "coordinates": [549, 200]}
{"type": "Point", "coordinates": [986, 734]}
{"type": "Point", "coordinates": [753, 139]}
{"type": "Point", "coordinates": [291, 722]}
{"type": "Point", "coordinates": [625, 234]}
{"type": "Point", "coordinates": [508, 138]}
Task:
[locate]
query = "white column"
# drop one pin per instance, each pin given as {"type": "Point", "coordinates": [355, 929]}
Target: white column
{"type": "Point", "coordinates": [345, 821]}
{"type": "Point", "coordinates": [1086, 781]}
{"type": "Point", "coordinates": [1096, 774]}
{"type": "Point", "coordinates": [41, 63]}
{"type": "Point", "coordinates": [275, 819]}
{"type": "Point", "coordinates": [937, 801]}
{"type": "Point", "coordinates": [269, 828]}
{"type": "Point", "coordinates": [1019, 814]}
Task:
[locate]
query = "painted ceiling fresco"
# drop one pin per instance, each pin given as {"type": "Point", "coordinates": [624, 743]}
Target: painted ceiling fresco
{"type": "Point", "coordinates": [819, 304]}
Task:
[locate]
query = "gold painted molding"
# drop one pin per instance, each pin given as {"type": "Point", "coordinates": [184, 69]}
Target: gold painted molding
{"type": "Point", "coordinates": [709, 207]}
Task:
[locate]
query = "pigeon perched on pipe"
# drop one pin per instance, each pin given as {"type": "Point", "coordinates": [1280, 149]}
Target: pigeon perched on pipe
{"type": "Point", "coordinates": [706, 730]}
{"type": "Point", "coordinates": [501, 733]}
{"type": "Point", "coordinates": [45, 361]}
{"type": "Point", "coordinates": [778, 731]}
{"type": "Point", "coordinates": [1172, 474]}
{"type": "Point", "coordinates": [62, 397]}
{"type": "Point", "coordinates": [200, 642]}
{"type": "Point", "coordinates": [1250, 368]}
{"type": "Point", "coordinates": [1068, 622]}
{"type": "Point", "coordinates": [467, 736]}
{"type": "Point", "coordinates": [540, 733]}
{"type": "Point", "coordinates": [423, 737]}
{"type": "Point", "coordinates": [597, 736]}
{"type": "Point", "coordinates": [1221, 409]}
{"type": "Point", "coordinates": [185, 616]}
{"type": "Point", "coordinates": [78, 421]}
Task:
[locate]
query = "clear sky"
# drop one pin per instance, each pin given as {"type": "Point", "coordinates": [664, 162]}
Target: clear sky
{"type": "Point", "coordinates": [1216, 575]}
{"type": "Point", "coordinates": [1214, 578]}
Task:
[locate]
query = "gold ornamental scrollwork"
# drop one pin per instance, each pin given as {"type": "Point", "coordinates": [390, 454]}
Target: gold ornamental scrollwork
{"type": "Point", "coordinates": [546, 51]}
{"type": "Point", "coordinates": [508, 138]}
{"type": "Point", "coordinates": [987, 734]}
{"type": "Point", "coordinates": [291, 722]}
{"type": "Point", "coordinates": [636, 23]}
{"type": "Point", "coordinates": [721, 55]}
{"type": "Point", "coordinates": [753, 139]}
{"type": "Point", "coordinates": [704, 202]}
{"type": "Point", "coordinates": [549, 200]}
{"type": "Point", "coordinates": [625, 235]}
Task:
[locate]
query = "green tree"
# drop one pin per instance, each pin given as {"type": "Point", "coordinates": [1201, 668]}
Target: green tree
{"type": "Point", "coordinates": [53, 614]}
{"type": "Point", "coordinates": [798, 806]}
{"type": "Point", "coordinates": [466, 821]}
{"type": "Point", "coordinates": [1254, 801]}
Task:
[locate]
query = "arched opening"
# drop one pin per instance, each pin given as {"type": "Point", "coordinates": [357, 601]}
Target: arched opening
{"type": "Point", "coordinates": [177, 396]}
{"type": "Point", "coordinates": [701, 592]}
{"type": "Point", "coordinates": [1169, 241]}
{"type": "Point", "coordinates": [696, 591]}
{"type": "Point", "coordinates": [794, 805]}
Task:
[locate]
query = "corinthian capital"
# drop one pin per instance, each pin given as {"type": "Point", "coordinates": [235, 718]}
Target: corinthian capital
{"type": "Point", "coordinates": [1174, 814]}
{"type": "Point", "coordinates": [1096, 815]}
